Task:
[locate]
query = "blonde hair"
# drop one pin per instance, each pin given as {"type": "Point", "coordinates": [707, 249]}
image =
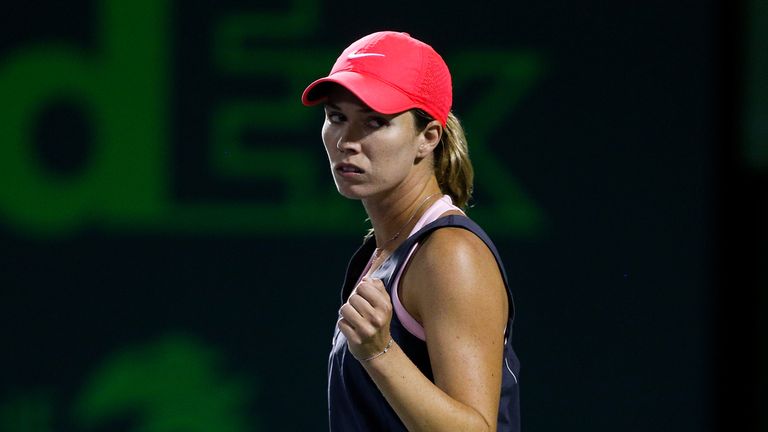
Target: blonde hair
{"type": "Point", "coordinates": [452, 165]}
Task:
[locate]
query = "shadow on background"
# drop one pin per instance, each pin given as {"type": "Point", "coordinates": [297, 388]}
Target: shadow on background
{"type": "Point", "coordinates": [172, 244]}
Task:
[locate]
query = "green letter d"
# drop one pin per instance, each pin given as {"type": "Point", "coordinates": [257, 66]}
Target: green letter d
{"type": "Point", "coordinates": [122, 91]}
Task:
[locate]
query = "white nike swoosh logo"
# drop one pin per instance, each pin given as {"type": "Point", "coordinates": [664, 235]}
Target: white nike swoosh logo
{"type": "Point", "coordinates": [358, 55]}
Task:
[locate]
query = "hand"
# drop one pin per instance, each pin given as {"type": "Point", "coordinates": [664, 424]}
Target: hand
{"type": "Point", "coordinates": [365, 317]}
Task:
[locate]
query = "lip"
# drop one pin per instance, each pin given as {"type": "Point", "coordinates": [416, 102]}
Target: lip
{"type": "Point", "coordinates": [347, 169]}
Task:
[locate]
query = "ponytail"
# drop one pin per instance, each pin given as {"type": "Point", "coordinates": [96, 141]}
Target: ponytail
{"type": "Point", "coordinates": [453, 168]}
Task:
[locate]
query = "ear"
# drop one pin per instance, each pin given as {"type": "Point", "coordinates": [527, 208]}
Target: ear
{"type": "Point", "coordinates": [429, 138]}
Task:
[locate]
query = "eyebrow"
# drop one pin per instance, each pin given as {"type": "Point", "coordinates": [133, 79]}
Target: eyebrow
{"type": "Point", "coordinates": [363, 109]}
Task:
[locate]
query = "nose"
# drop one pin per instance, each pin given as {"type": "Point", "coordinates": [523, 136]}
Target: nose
{"type": "Point", "coordinates": [341, 142]}
{"type": "Point", "coordinates": [345, 143]}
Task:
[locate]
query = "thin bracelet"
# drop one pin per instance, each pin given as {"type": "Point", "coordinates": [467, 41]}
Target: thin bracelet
{"type": "Point", "coordinates": [386, 348]}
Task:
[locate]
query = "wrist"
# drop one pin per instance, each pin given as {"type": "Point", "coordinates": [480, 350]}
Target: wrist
{"type": "Point", "coordinates": [380, 353]}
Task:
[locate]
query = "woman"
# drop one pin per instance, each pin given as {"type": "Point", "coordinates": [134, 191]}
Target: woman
{"type": "Point", "coordinates": [422, 340]}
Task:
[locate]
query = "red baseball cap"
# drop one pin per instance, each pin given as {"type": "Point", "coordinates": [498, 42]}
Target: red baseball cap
{"type": "Point", "coordinates": [391, 72]}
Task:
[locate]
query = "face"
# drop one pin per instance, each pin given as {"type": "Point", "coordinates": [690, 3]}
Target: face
{"type": "Point", "coordinates": [370, 153]}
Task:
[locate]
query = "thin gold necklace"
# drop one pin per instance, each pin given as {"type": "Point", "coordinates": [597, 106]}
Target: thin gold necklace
{"type": "Point", "coordinates": [377, 252]}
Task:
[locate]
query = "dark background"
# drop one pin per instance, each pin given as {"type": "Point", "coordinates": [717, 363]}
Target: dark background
{"type": "Point", "coordinates": [638, 298]}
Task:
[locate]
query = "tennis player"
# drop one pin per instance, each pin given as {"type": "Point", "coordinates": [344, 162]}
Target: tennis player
{"type": "Point", "coordinates": [423, 337]}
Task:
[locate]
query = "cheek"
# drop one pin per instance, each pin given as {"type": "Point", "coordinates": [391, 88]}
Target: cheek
{"type": "Point", "coordinates": [398, 151]}
{"type": "Point", "coordinates": [392, 161]}
{"type": "Point", "coordinates": [327, 136]}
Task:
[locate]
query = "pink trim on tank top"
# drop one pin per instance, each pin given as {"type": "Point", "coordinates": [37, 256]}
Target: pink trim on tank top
{"type": "Point", "coordinates": [440, 206]}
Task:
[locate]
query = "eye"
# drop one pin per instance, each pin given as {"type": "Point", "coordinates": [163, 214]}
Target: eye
{"type": "Point", "coordinates": [376, 122]}
{"type": "Point", "coordinates": [335, 117]}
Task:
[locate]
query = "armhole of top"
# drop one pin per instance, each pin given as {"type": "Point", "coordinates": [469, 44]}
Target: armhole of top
{"type": "Point", "coordinates": [409, 322]}
{"type": "Point", "coordinates": [406, 319]}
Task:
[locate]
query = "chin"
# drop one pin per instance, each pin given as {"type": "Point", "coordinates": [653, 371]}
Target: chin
{"type": "Point", "coordinates": [346, 193]}
{"type": "Point", "coordinates": [355, 192]}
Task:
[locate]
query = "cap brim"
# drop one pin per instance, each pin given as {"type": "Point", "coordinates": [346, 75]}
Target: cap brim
{"type": "Point", "coordinates": [378, 95]}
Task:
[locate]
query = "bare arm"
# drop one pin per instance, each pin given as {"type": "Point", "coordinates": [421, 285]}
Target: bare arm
{"type": "Point", "coordinates": [457, 293]}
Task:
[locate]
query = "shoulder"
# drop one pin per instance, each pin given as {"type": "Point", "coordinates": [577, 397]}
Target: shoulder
{"type": "Point", "coordinates": [454, 249]}
{"type": "Point", "coordinates": [452, 269]}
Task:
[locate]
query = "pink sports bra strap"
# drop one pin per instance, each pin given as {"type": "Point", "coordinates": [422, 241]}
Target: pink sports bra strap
{"type": "Point", "coordinates": [436, 210]}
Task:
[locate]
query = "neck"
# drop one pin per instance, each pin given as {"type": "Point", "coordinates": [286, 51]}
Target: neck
{"type": "Point", "coordinates": [397, 213]}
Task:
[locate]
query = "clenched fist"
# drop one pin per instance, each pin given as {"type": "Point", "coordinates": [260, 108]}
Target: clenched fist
{"type": "Point", "coordinates": [365, 317]}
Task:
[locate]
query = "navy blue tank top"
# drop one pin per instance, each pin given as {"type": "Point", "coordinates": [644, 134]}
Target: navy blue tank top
{"type": "Point", "coordinates": [354, 401]}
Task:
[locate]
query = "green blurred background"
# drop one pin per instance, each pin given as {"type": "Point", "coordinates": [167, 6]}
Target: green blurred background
{"type": "Point", "coordinates": [172, 246]}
